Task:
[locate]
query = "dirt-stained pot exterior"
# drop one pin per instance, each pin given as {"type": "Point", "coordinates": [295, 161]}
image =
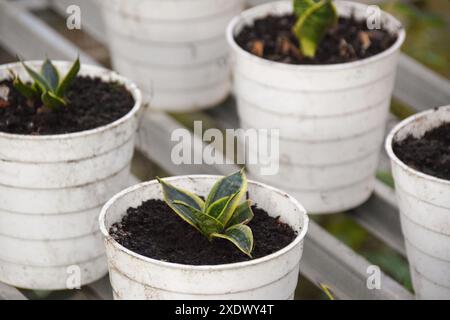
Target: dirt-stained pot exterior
{"type": "Point", "coordinates": [137, 277]}
{"type": "Point", "coordinates": [424, 203]}
{"type": "Point", "coordinates": [52, 189]}
{"type": "Point", "coordinates": [331, 117]}
{"type": "Point", "coordinates": [174, 49]}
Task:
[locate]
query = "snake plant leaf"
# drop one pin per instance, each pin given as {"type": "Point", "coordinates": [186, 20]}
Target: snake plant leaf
{"type": "Point", "coordinates": [223, 218]}
{"type": "Point", "coordinates": [74, 69]}
{"type": "Point", "coordinates": [232, 204]}
{"type": "Point", "coordinates": [240, 235]}
{"type": "Point", "coordinates": [50, 73]}
{"type": "Point", "coordinates": [39, 80]}
{"type": "Point", "coordinates": [301, 6]}
{"type": "Point", "coordinates": [172, 193]}
{"type": "Point", "coordinates": [226, 187]}
{"type": "Point", "coordinates": [52, 101]}
{"type": "Point", "coordinates": [25, 90]}
{"type": "Point", "coordinates": [243, 214]}
{"type": "Point", "coordinates": [216, 208]}
{"type": "Point", "coordinates": [37, 88]}
{"type": "Point", "coordinates": [205, 224]}
{"type": "Point", "coordinates": [46, 84]}
{"type": "Point", "coordinates": [313, 24]}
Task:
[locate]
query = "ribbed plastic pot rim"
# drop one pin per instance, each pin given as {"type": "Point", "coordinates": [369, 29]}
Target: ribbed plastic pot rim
{"type": "Point", "coordinates": [400, 163]}
{"type": "Point", "coordinates": [317, 67]}
{"type": "Point", "coordinates": [301, 235]}
{"type": "Point", "coordinates": [131, 86]}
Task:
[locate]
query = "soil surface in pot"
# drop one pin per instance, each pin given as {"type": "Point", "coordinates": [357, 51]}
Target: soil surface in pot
{"type": "Point", "coordinates": [272, 38]}
{"type": "Point", "coordinates": [92, 103]}
{"type": "Point", "coordinates": [155, 231]}
{"type": "Point", "coordinates": [429, 154]}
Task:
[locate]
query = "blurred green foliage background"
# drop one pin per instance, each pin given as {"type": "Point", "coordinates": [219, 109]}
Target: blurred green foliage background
{"type": "Point", "coordinates": [427, 24]}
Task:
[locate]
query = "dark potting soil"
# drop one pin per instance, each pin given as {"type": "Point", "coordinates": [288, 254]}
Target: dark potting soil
{"type": "Point", "coordinates": [429, 154]}
{"type": "Point", "coordinates": [272, 38]}
{"type": "Point", "coordinates": [155, 231]}
{"type": "Point", "coordinates": [92, 103]}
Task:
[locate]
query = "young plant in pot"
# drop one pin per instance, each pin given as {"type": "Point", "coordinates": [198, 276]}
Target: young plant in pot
{"type": "Point", "coordinates": [318, 73]}
{"type": "Point", "coordinates": [66, 139]}
{"type": "Point", "coordinates": [196, 237]}
{"type": "Point", "coordinates": [419, 148]}
{"type": "Point", "coordinates": [176, 50]}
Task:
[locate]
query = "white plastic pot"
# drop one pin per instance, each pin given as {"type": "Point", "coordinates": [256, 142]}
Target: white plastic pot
{"type": "Point", "coordinates": [52, 188]}
{"type": "Point", "coordinates": [424, 203]}
{"type": "Point", "coordinates": [137, 277]}
{"type": "Point", "coordinates": [174, 49]}
{"type": "Point", "coordinates": [252, 3]}
{"type": "Point", "coordinates": [331, 117]}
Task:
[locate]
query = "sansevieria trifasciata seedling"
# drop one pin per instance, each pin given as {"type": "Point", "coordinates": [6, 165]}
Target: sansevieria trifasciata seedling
{"type": "Point", "coordinates": [47, 84]}
{"type": "Point", "coordinates": [222, 215]}
{"type": "Point", "coordinates": [314, 18]}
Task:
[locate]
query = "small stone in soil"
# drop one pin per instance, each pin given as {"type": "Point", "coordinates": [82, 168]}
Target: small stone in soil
{"type": "Point", "coordinates": [271, 38]}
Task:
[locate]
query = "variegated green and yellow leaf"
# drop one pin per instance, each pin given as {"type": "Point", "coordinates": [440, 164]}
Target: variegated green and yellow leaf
{"type": "Point", "coordinates": [69, 77]}
{"type": "Point", "coordinates": [172, 193]}
{"type": "Point", "coordinates": [39, 80]}
{"type": "Point", "coordinates": [213, 220]}
{"type": "Point", "coordinates": [313, 23]}
{"type": "Point", "coordinates": [185, 213]}
{"type": "Point", "coordinates": [226, 187]}
{"type": "Point", "coordinates": [50, 100]}
{"type": "Point", "coordinates": [232, 204]}
{"type": "Point", "coordinates": [243, 214]}
{"type": "Point", "coordinates": [25, 90]}
{"type": "Point", "coordinates": [50, 74]}
{"type": "Point", "coordinates": [240, 235]}
{"type": "Point", "coordinates": [38, 89]}
{"type": "Point", "coordinates": [206, 224]}
{"type": "Point", "coordinates": [216, 208]}
{"type": "Point", "coordinates": [300, 6]}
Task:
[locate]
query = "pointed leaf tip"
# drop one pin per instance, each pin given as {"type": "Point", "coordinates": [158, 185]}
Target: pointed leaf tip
{"type": "Point", "coordinates": [68, 78]}
{"type": "Point", "coordinates": [241, 236]}
{"type": "Point", "coordinates": [172, 193]}
{"type": "Point", "coordinates": [225, 187]}
{"type": "Point", "coordinates": [52, 101]}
